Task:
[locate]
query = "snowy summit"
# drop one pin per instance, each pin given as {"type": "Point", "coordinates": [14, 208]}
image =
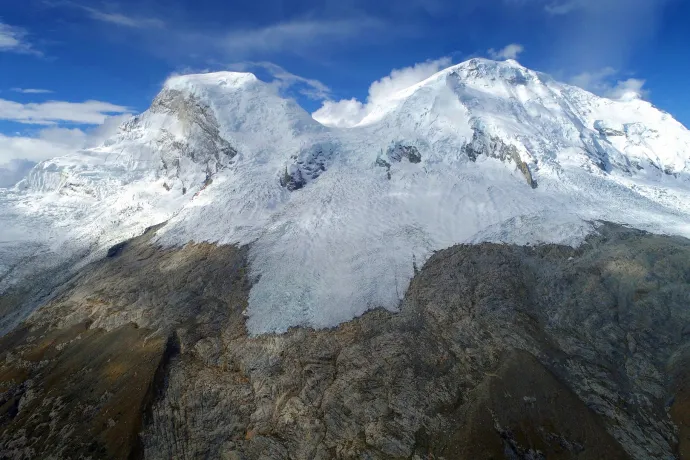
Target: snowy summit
{"type": "Point", "coordinates": [339, 212]}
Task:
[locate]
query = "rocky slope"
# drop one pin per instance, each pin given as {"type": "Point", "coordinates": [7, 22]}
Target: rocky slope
{"type": "Point", "coordinates": [498, 351]}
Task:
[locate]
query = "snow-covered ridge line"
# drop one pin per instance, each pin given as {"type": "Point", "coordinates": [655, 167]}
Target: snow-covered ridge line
{"type": "Point", "coordinates": [338, 217]}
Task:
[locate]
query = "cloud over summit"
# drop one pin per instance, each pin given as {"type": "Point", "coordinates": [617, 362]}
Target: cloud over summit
{"type": "Point", "coordinates": [350, 112]}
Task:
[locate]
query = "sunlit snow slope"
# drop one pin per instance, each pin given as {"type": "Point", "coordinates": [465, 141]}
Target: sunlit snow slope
{"type": "Point", "coordinates": [338, 218]}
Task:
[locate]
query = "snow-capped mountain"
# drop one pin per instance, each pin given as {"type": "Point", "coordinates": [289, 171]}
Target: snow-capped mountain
{"type": "Point", "coordinates": [339, 218]}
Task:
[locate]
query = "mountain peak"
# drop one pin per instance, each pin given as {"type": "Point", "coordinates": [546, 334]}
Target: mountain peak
{"type": "Point", "coordinates": [222, 79]}
{"type": "Point", "coordinates": [337, 218]}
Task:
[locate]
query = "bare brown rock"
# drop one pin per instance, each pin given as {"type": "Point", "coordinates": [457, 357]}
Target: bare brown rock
{"type": "Point", "coordinates": [498, 352]}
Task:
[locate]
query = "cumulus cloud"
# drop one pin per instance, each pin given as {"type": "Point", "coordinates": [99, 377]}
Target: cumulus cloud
{"type": "Point", "coordinates": [51, 112]}
{"type": "Point", "coordinates": [350, 112]}
{"type": "Point", "coordinates": [607, 82]}
{"type": "Point", "coordinates": [511, 51]}
{"type": "Point", "coordinates": [15, 40]}
{"type": "Point", "coordinates": [284, 80]}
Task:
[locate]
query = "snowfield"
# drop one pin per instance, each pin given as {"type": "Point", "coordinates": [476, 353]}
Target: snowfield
{"type": "Point", "coordinates": [338, 218]}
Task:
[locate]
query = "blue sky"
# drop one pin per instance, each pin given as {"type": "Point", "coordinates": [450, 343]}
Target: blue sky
{"type": "Point", "coordinates": [57, 54]}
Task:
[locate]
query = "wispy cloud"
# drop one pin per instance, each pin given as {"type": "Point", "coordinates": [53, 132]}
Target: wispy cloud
{"type": "Point", "coordinates": [15, 40]}
{"type": "Point", "coordinates": [113, 15]}
{"type": "Point", "coordinates": [298, 36]}
{"type": "Point", "coordinates": [593, 34]}
{"type": "Point", "coordinates": [304, 35]}
{"type": "Point", "coordinates": [511, 51]}
{"type": "Point", "coordinates": [607, 82]}
{"type": "Point", "coordinates": [563, 7]}
{"type": "Point", "coordinates": [31, 91]}
{"type": "Point", "coordinates": [123, 20]}
{"type": "Point", "coordinates": [595, 81]}
{"type": "Point", "coordinates": [52, 112]}
{"type": "Point", "coordinates": [284, 80]}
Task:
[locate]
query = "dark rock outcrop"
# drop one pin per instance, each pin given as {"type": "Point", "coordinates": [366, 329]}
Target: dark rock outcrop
{"type": "Point", "coordinates": [116, 249]}
{"type": "Point", "coordinates": [307, 165]}
{"type": "Point", "coordinates": [399, 151]}
{"type": "Point", "coordinates": [395, 154]}
{"type": "Point", "coordinates": [202, 143]}
{"type": "Point", "coordinates": [292, 179]}
{"type": "Point", "coordinates": [610, 132]}
{"type": "Point", "coordinates": [498, 351]}
{"type": "Point", "coordinates": [495, 147]}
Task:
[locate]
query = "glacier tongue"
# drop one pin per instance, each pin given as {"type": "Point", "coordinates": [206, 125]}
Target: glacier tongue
{"type": "Point", "coordinates": [338, 218]}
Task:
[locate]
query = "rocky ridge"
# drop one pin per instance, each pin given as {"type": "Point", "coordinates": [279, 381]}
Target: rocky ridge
{"type": "Point", "coordinates": [498, 351]}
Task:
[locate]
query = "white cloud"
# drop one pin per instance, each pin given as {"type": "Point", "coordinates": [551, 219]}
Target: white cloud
{"type": "Point", "coordinates": [596, 81]}
{"type": "Point", "coordinates": [350, 112]}
{"type": "Point", "coordinates": [14, 171]}
{"type": "Point", "coordinates": [110, 126]}
{"type": "Point", "coordinates": [298, 36]}
{"type": "Point", "coordinates": [285, 80]}
{"type": "Point", "coordinates": [51, 112]}
{"type": "Point", "coordinates": [14, 40]}
{"type": "Point", "coordinates": [19, 153]}
{"type": "Point", "coordinates": [49, 143]}
{"type": "Point", "coordinates": [31, 91]}
{"type": "Point", "coordinates": [72, 138]}
{"type": "Point", "coordinates": [511, 51]}
{"type": "Point", "coordinates": [341, 114]}
{"type": "Point", "coordinates": [606, 82]}
{"type": "Point", "coordinates": [629, 89]}
{"type": "Point", "coordinates": [405, 77]}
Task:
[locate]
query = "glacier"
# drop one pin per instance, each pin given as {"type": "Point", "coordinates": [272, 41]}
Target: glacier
{"type": "Point", "coordinates": [339, 218]}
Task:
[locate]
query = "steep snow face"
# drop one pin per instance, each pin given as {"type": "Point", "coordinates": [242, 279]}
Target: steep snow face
{"type": "Point", "coordinates": [339, 218]}
{"type": "Point", "coordinates": [541, 117]}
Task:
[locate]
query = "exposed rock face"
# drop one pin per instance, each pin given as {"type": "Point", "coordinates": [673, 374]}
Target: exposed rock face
{"type": "Point", "coordinates": [396, 153]}
{"type": "Point", "coordinates": [307, 165]}
{"type": "Point", "coordinates": [399, 151]}
{"type": "Point", "coordinates": [77, 392]}
{"type": "Point", "coordinates": [77, 380]}
{"type": "Point", "coordinates": [292, 179]}
{"type": "Point", "coordinates": [498, 352]}
{"type": "Point", "coordinates": [202, 142]}
{"type": "Point", "coordinates": [494, 147]}
{"type": "Point", "coordinates": [610, 132]}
